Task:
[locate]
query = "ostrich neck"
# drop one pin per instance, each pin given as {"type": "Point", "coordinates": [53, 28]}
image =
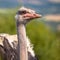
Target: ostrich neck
{"type": "Point", "coordinates": [21, 32]}
{"type": "Point", "coordinates": [22, 47]}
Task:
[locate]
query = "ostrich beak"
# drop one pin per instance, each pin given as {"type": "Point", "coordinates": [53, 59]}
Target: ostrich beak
{"type": "Point", "coordinates": [37, 15]}
{"type": "Point", "coordinates": [32, 16]}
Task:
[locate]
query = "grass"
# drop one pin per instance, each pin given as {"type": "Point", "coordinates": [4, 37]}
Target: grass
{"type": "Point", "coordinates": [7, 22]}
{"type": "Point", "coordinates": [46, 43]}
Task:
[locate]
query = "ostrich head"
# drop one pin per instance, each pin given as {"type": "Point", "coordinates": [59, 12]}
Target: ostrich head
{"type": "Point", "coordinates": [25, 15]}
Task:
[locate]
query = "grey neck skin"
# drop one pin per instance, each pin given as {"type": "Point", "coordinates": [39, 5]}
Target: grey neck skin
{"type": "Point", "coordinates": [22, 46]}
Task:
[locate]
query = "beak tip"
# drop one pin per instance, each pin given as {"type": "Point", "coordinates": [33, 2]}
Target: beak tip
{"type": "Point", "coordinates": [39, 16]}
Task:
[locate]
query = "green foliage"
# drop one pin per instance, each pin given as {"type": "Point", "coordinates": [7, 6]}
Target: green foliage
{"type": "Point", "coordinates": [7, 22]}
{"type": "Point", "coordinates": [46, 43]}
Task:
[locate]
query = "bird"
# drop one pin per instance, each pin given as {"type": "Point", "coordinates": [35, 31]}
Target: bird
{"type": "Point", "coordinates": [23, 16]}
{"type": "Point", "coordinates": [9, 42]}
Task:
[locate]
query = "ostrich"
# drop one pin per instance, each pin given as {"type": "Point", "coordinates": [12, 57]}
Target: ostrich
{"type": "Point", "coordinates": [8, 43]}
{"type": "Point", "coordinates": [23, 16]}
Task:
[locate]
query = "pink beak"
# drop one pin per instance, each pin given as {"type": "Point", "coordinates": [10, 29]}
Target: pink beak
{"type": "Point", "coordinates": [32, 16]}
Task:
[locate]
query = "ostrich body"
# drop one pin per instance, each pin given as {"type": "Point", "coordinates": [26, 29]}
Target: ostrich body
{"type": "Point", "coordinates": [12, 39]}
{"type": "Point", "coordinates": [23, 16]}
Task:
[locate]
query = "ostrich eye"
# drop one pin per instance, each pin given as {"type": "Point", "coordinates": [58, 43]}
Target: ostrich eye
{"type": "Point", "coordinates": [21, 12]}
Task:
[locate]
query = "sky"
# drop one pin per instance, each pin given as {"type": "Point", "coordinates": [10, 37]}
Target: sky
{"type": "Point", "coordinates": [41, 5]}
{"type": "Point", "coordinates": [54, 1]}
{"type": "Point", "coordinates": [35, 2]}
{"type": "Point", "coordinates": [39, 1]}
